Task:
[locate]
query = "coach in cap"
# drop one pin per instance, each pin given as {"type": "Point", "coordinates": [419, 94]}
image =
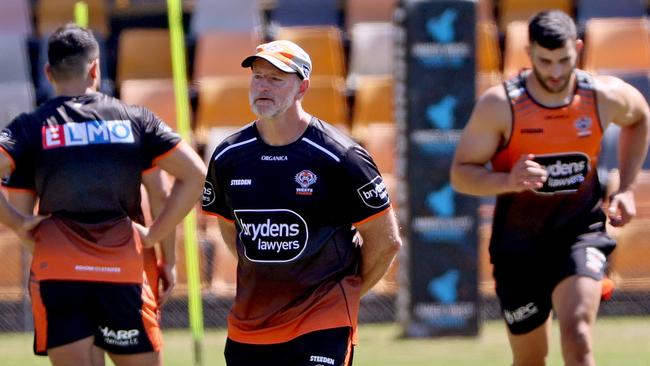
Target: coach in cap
{"type": "Point", "coordinates": [307, 214]}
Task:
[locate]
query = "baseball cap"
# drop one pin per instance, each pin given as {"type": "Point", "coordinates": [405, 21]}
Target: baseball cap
{"type": "Point", "coordinates": [285, 55]}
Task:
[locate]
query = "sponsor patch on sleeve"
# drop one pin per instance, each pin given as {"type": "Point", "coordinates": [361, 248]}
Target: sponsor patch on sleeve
{"type": "Point", "coordinates": [374, 193]}
{"type": "Point", "coordinates": [208, 194]}
{"type": "Point", "coordinates": [5, 135]}
{"type": "Point", "coordinates": [164, 128]}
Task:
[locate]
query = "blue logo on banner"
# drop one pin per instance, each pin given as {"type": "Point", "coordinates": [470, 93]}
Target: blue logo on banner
{"type": "Point", "coordinates": [441, 115]}
{"type": "Point", "coordinates": [450, 236]}
{"type": "Point", "coordinates": [441, 202]}
{"type": "Point", "coordinates": [438, 149]}
{"type": "Point", "coordinates": [444, 47]}
{"type": "Point", "coordinates": [445, 288]}
{"type": "Point", "coordinates": [452, 230]}
{"type": "Point", "coordinates": [435, 141]}
{"type": "Point", "coordinates": [448, 321]}
{"type": "Point", "coordinates": [441, 28]}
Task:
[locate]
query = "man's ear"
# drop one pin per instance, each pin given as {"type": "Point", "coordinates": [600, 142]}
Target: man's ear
{"type": "Point", "coordinates": [579, 45]}
{"type": "Point", "coordinates": [302, 89]}
{"type": "Point", "coordinates": [93, 71]}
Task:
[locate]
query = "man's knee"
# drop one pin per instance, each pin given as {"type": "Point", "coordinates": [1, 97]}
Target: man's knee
{"type": "Point", "coordinates": [576, 339]}
{"type": "Point", "coordinates": [530, 351]}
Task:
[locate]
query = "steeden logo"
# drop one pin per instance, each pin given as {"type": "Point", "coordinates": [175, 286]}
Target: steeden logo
{"type": "Point", "coordinates": [322, 360]}
{"type": "Point", "coordinates": [241, 182]}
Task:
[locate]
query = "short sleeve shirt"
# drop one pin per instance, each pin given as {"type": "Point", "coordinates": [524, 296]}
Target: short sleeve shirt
{"type": "Point", "coordinates": [294, 207]}
{"type": "Point", "coordinates": [84, 155]}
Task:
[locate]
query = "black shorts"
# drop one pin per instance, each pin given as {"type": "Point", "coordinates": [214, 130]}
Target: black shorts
{"type": "Point", "coordinates": [123, 318]}
{"type": "Point", "coordinates": [525, 287]}
{"type": "Point", "coordinates": [329, 347]}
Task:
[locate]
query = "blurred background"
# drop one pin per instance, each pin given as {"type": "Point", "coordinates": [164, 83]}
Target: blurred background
{"type": "Point", "coordinates": [352, 44]}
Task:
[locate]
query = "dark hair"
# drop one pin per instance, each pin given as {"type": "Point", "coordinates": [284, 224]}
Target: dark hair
{"type": "Point", "coordinates": [551, 29]}
{"type": "Point", "coordinates": [70, 48]}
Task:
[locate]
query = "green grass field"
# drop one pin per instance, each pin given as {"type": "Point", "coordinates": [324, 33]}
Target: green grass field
{"type": "Point", "coordinates": [619, 341]}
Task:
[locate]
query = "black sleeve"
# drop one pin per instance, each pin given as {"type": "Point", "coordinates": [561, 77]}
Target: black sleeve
{"type": "Point", "coordinates": [364, 187]}
{"type": "Point", "coordinates": [21, 178]}
{"type": "Point", "coordinates": [214, 198]}
{"type": "Point", "coordinates": [158, 138]}
{"type": "Point", "coordinates": [14, 140]}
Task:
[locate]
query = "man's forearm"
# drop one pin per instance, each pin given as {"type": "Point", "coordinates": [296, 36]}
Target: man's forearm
{"type": "Point", "coordinates": [158, 195]}
{"type": "Point", "coordinates": [24, 203]}
{"type": "Point", "coordinates": [168, 248]}
{"type": "Point", "coordinates": [477, 180]}
{"type": "Point", "coordinates": [9, 216]}
{"type": "Point", "coordinates": [633, 147]}
{"type": "Point", "coordinates": [381, 242]}
{"type": "Point", "coordinates": [372, 272]}
{"type": "Point", "coordinates": [183, 197]}
{"type": "Point", "coordinates": [228, 233]}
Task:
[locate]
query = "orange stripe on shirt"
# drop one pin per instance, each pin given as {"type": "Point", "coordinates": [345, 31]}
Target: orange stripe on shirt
{"type": "Point", "coordinates": [217, 215]}
{"type": "Point", "coordinates": [150, 316]}
{"type": "Point", "coordinates": [16, 189]}
{"type": "Point", "coordinates": [40, 318]}
{"type": "Point", "coordinates": [166, 153]}
{"type": "Point", "coordinates": [348, 353]}
{"type": "Point", "coordinates": [150, 169]}
{"type": "Point", "coordinates": [372, 217]}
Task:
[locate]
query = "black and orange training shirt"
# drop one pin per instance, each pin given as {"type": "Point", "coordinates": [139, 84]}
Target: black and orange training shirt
{"type": "Point", "coordinates": [84, 155]}
{"type": "Point", "coordinates": [294, 207]}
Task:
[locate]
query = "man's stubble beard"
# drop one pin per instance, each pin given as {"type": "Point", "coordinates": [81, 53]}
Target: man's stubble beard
{"type": "Point", "coordinates": [561, 89]}
{"type": "Point", "coordinates": [280, 108]}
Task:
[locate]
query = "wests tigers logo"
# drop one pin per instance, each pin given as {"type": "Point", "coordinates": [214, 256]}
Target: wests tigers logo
{"type": "Point", "coordinates": [305, 178]}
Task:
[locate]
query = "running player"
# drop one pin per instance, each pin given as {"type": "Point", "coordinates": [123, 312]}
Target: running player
{"type": "Point", "coordinates": [541, 131]}
{"type": "Point", "coordinates": [308, 216]}
{"type": "Point", "coordinates": [86, 152]}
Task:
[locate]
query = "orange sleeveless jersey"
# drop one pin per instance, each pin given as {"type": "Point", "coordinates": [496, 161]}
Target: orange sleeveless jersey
{"type": "Point", "coordinates": [566, 139]}
{"type": "Point", "coordinates": [566, 142]}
